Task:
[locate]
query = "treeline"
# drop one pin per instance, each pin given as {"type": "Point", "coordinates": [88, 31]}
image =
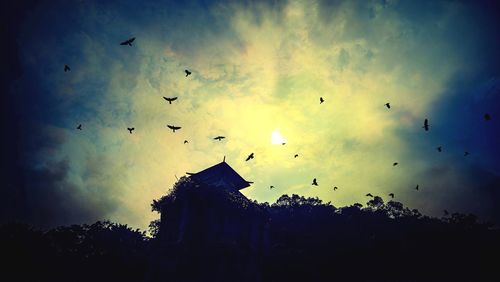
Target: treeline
{"type": "Point", "coordinates": [103, 251]}
{"type": "Point", "coordinates": [302, 239]}
{"type": "Point", "coordinates": [307, 239]}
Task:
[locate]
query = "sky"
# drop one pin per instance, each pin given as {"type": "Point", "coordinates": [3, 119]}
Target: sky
{"type": "Point", "coordinates": [258, 70]}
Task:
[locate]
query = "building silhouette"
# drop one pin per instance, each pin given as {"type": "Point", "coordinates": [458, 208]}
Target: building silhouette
{"type": "Point", "coordinates": [204, 231]}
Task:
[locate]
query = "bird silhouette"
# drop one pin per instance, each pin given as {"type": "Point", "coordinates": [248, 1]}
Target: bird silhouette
{"type": "Point", "coordinates": [296, 155]}
{"type": "Point", "coordinates": [219, 138]}
{"type": "Point", "coordinates": [187, 72]}
{"type": "Point", "coordinates": [170, 100]}
{"type": "Point", "coordinates": [416, 188]}
{"type": "Point", "coordinates": [391, 195]}
{"type": "Point", "coordinates": [487, 116]}
{"type": "Point", "coordinates": [439, 149]}
{"type": "Point", "coordinates": [271, 187]}
{"type": "Point", "coordinates": [185, 142]}
{"type": "Point", "coordinates": [369, 195]}
{"type": "Point", "coordinates": [321, 100]}
{"type": "Point", "coordinates": [466, 154]}
{"type": "Point", "coordinates": [173, 127]}
{"type": "Point", "coordinates": [315, 183]}
{"type": "Point", "coordinates": [394, 164]}
{"type": "Point", "coordinates": [283, 143]}
{"type": "Point", "coordinates": [130, 129]}
{"type": "Point", "coordinates": [79, 127]}
{"type": "Point", "coordinates": [66, 68]}
{"type": "Point", "coordinates": [335, 188]}
{"type": "Point", "coordinates": [388, 105]}
{"type": "Point", "coordinates": [445, 212]}
{"type": "Point", "coordinates": [426, 125]}
{"type": "Point", "coordinates": [249, 157]}
{"type": "Point", "coordinates": [128, 41]}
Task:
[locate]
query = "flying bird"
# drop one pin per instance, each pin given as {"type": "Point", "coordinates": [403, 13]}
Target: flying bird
{"type": "Point", "coordinates": [335, 188]}
{"type": "Point", "coordinates": [439, 149]}
{"type": "Point", "coordinates": [394, 164]}
{"type": "Point", "coordinates": [271, 187]}
{"type": "Point", "coordinates": [173, 127]}
{"type": "Point", "coordinates": [487, 117]}
{"type": "Point", "coordinates": [66, 68]}
{"type": "Point", "coordinates": [219, 138]}
{"type": "Point", "coordinates": [392, 195]}
{"type": "Point", "coordinates": [416, 188]}
{"type": "Point", "coordinates": [388, 105]}
{"type": "Point", "coordinates": [249, 157]}
{"type": "Point", "coordinates": [130, 129]}
{"type": "Point", "coordinates": [369, 195]}
{"type": "Point", "coordinates": [466, 154]}
{"type": "Point", "coordinates": [283, 143]}
{"type": "Point", "coordinates": [185, 142]}
{"type": "Point", "coordinates": [170, 100]}
{"type": "Point", "coordinates": [296, 155]}
{"type": "Point", "coordinates": [315, 183]}
{"type": "Point", "coordinates": [187, 72]}
{"type": "Point", "coordinates": [321, 100]}
{"type": "Point", "coordinates": [128, 41]}
{"type": "Point", "coordinates": [79, 127]}
{"type": "Point", "coordinates": [426, 125]}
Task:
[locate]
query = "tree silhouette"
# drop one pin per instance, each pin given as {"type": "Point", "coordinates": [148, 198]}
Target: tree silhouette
{"type": "Point", "coordinates": [207, 233]}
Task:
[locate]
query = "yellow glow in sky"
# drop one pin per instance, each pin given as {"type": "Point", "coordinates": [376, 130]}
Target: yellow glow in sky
{"type": "Point", "coordinates": [263, 71]}
{"type": "Point", "coordinates": [277, 139]}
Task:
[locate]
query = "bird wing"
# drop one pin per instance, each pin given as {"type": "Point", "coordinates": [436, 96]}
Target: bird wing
{"type": "Point", "coordinates": [128, 41]}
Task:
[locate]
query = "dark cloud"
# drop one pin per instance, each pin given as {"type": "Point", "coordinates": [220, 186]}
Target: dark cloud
{"type": "Point", "coordinates": [53, 200]}
{"type": "Point", "coordinates": [42, 187]}
{"type": "Point", "coordinates": [40, 193]}
{"type": "Point", "coordinates": [11, 17]}
{"type": "Point", "coordinates": [465, 184]}
{"type": "Point", "coordinates": [463, 188]}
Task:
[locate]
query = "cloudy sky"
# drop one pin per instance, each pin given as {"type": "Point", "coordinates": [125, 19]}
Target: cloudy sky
{"type": "Point", "coordinates": [258, 68]}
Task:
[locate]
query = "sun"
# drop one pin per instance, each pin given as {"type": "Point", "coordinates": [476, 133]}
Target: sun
{"type": "Point", "coordinates": [277, 138]}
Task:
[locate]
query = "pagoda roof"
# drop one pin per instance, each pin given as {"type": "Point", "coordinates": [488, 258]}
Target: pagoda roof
{"type": "Point", "coordinates": [223, 175]}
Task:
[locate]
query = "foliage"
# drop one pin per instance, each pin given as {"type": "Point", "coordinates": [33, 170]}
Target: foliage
{"type": "Point", "coordinates": [103, 250]}
{"type": "Point", "coordinates": [295, 238]}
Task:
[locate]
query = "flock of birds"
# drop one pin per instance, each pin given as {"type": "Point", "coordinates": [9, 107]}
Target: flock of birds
{"type": "Point", "coordinates": [425, 126]}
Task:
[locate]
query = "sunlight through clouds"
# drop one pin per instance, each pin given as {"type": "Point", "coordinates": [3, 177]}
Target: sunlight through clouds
{"type": "Point", "coordinates": [258, 71]}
